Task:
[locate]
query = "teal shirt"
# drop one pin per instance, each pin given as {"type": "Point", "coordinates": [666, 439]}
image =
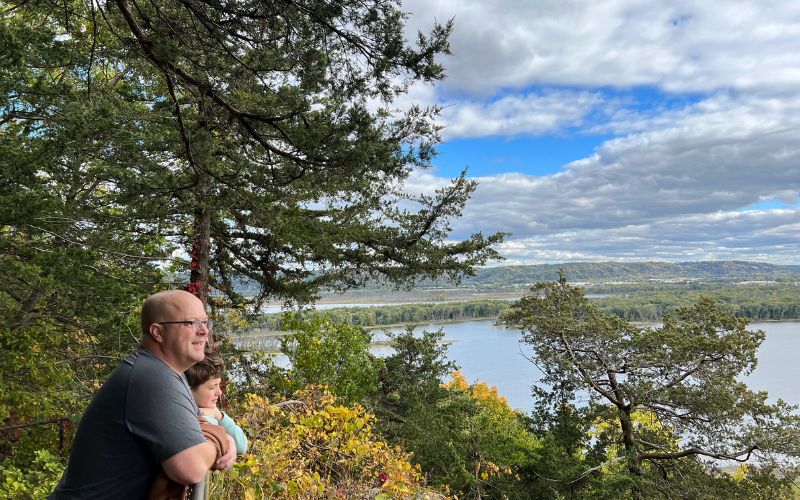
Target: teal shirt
{"type": "Point", "coordinates": [232, 429]}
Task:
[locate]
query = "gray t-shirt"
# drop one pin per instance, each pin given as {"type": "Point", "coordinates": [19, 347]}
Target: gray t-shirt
{"type": "Point", "coordinates": [143, 415]}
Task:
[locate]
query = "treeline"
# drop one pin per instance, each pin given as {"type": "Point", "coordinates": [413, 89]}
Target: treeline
{"type": "Point", "coordinates": [634, 271]}
{"type": "Point", "coordinates": [757, 302]}
{"type": "Point", "coordinates": [629, 302]}
{"type": "Point", "coordinates": [398, 314]}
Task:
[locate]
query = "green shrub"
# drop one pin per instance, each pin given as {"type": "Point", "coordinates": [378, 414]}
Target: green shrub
{"type": "Point", "coordinates": [37, 482]}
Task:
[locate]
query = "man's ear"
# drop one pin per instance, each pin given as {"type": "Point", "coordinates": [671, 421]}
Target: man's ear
{"type": "Point", "coordinates": [156, 332]}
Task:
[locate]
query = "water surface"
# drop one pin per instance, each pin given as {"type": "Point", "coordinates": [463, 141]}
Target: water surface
{"type": "Point", "coordinates": [494, 355]}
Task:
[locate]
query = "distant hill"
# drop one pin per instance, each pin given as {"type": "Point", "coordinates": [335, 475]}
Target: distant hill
{"type": "Point", "coordinates": [505, 276]}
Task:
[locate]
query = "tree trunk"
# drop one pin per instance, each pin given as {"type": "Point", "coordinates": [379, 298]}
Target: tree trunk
{"type": "Point", "coordinates": [201, 249]}
{"type": "Point", "coordinates": [629, 440]}
{"type": "Point", "coordinates": [628, 436]}
{"type": "Point", "coordinates": [201, 244]}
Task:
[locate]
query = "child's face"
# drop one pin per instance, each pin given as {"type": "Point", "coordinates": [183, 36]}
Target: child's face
{"type": "Point", "coordinates": [207, 393]}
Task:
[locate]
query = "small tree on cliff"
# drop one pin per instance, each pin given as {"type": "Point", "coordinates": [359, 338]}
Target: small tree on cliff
{"type": "Point", "coordinates": [663, 398]}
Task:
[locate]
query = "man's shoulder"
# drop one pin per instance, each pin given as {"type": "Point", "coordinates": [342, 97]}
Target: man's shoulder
{"type": "Point", "coordinates": [145, 363]}
{"type": "Point", "coordinates": [153, 382]}
{"type": "Point", "coordinates": [142, 356]}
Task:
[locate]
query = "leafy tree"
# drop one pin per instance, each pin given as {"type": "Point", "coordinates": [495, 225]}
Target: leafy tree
{"type": "Point", "coordinates": [259, 136]}
{"type": "Point", "coordinates": [409, 402]}
{"type": "Point", "coordinates": [412, 376]}
{"type": "Point", "coordinates": [681, 378]}
{"type": "Point", "coordinates": [69, 282]}
{"type": "Point", "coordinates": [323, 352]}
{"type": "Point", "coordinates": [36, 483]}
{"type": "Point", "coordinates": [489, 443]}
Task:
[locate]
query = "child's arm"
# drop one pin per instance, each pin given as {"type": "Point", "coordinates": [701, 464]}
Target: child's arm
{"type": "Point", "coordinates": [235, 432]}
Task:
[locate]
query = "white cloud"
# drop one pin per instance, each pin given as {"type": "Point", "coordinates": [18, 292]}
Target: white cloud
{"type": "Point", "coordinates": [519, 114]}
{"type": "Point", "coordinates": [675, 189]}
{"type": "Point", "coordinates": [679, 46]}
{"type": "Point", "coordinates": [720, 155]}
{"type": "Point", "coordinates": [767, 236]}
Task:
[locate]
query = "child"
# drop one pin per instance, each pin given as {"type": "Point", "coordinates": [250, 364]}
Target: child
{"type": "Point", "coordinates": [204, 380]}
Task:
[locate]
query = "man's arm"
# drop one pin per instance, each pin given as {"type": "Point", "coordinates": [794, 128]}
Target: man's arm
{"type": "Point", "coordinates": [191, 465]}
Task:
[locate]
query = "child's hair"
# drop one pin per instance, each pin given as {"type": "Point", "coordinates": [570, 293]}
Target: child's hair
{"type": "Point", "coordinates": [212, 366]}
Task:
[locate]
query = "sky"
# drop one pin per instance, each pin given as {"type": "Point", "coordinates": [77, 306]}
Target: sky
{"type": "Point", "coordinates": [621, 130]}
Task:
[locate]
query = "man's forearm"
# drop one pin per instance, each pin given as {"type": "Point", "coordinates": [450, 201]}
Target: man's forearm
{"type": "Point", "coordinates": [191, 465]}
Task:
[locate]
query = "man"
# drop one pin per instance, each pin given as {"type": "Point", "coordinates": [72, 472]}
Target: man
{"type": "Point", "coordinates": [144, 417]}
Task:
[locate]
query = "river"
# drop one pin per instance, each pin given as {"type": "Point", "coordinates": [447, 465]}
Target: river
{"type": "Point", "coordinates": [494, 355]}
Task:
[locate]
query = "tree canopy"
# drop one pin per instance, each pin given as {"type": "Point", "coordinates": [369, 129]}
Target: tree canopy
{"type": "Point", "coordinates": [260, 137]}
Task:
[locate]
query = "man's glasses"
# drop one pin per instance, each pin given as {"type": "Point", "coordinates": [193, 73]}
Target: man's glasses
{"type": "Point", "coordinates": [195, 323]}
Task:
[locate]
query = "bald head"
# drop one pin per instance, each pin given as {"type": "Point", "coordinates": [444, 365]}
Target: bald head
{"type": "Point", "coordinates": [163, 306]}
{"type": "Point", "coordinates": [174, 328]}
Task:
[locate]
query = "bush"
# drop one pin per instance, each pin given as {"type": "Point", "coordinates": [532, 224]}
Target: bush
{"type": "Point", "coordinates": [316, 449]}
{"type": "Point", "coordinates": [36, 482]}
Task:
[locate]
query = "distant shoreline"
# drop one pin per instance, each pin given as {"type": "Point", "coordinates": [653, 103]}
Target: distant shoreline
{"type": "Point", "coordinates": [429, 322]}
{"type": "Point", "coordinates": [375, 301]}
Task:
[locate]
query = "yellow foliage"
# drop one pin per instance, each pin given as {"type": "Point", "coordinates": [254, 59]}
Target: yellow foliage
{"type": "Point", "coordinates": [496, 417]}
{"type": "Point", "coordinates": [319, 450]}
{"type": "Point", "coordinates": [459, 382]}
{"type": "Point", "coordinates": [740, 473]}
{"type": "Point", "coordinates": [485, 395]}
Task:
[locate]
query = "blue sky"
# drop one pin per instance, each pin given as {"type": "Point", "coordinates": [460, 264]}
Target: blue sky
{"type": "Point", "coordinates": [538, 155]}
{"type": "Point", "coordinates": [621, 129]}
